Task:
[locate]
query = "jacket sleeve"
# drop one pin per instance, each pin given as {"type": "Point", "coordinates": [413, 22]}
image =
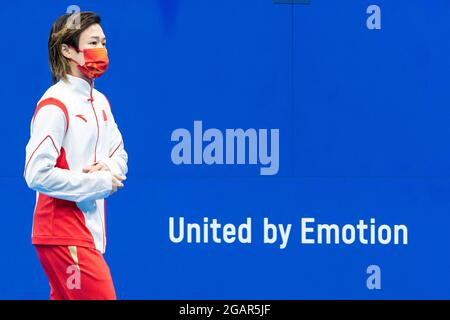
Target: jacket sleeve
{"type": "Point", "coordinates": [42, 152]}
{"type": "Point", "coordinates": [118, 157]}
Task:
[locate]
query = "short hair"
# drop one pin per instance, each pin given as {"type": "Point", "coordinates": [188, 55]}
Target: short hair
{"type": "Point", "coordinates": [64, 32]}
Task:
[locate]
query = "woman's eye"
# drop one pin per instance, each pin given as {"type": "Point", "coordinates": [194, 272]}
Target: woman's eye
{"type": "Point", "coordinates": [93, 43]}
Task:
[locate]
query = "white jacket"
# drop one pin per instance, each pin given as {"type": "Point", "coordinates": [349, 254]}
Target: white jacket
{"type": "Point", "coordinates": [72, 128]}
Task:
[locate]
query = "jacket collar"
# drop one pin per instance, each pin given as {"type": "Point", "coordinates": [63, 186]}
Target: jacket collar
{"type": "Point", "coordinates": [79, 86]}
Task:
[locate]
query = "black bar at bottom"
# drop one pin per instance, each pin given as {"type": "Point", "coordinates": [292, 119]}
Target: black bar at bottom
{"type": "Point", "coordinates": [228, 309]}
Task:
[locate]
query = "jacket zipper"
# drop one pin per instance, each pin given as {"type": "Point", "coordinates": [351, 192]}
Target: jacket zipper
{"type": "Point", "coordinates": [91, 99]}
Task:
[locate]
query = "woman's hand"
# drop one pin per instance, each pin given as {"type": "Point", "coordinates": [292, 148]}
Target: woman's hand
{"type": "Point", "coordinates": [117, 182]}
{"type": "Point", "coordinates": [116, 179]}
{"type": "Point", "coordinates": [98, 166]}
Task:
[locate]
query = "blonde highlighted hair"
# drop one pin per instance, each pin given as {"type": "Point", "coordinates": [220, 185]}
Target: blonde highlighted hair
{"type": "Point", "coordinates": [64, 31]}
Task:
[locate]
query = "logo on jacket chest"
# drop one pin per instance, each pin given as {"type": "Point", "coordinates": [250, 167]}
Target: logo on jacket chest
{"type": "Point", "coordinates": [84, 117]}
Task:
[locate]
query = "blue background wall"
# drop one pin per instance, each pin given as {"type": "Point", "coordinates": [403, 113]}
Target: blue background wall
{"type": "Point", "coordinates": [364, 126]}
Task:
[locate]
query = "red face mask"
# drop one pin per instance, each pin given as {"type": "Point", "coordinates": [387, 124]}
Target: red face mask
{"type": "Point", "coordinates": [95, 62]}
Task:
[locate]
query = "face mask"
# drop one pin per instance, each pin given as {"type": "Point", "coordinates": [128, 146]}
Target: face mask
{"type": "Point", "coordinates": [95, 62]}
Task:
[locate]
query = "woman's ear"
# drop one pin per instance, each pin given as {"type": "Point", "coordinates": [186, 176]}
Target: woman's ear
{"type": "Point", "coordinates": [65, 50]}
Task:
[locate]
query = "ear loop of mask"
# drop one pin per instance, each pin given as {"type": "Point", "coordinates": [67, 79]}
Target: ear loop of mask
{"type": "Point", "coordinates": [91, 97]}
{"type": "Point", "coordinates": [77, 51]}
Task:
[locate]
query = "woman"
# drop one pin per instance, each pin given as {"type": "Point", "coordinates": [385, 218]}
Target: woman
{"type": "Point", "coordinates": [75, 158]}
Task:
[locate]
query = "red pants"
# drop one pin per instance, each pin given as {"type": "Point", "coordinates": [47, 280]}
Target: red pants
{"type": "Point", "coordinates": [76, 273]}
